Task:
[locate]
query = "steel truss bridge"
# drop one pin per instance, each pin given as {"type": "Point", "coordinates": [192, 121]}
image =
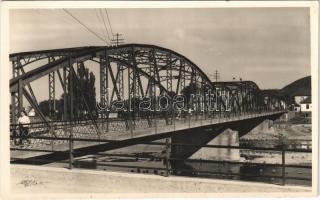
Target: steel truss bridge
{"type": "Point", "coordinates": [127, 73]}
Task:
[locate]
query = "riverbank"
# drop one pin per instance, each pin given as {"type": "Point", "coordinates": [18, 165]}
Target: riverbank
{"type": "Point", "coordinates": [274, 135]}
{"type": "Point", "coordinates": [37, 180]}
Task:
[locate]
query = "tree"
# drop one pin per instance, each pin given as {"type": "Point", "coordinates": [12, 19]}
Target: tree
{"type": "Point", "coordinates": [52, 114]}
{"type": "Point", "coordinates": [44, 107]}
{"type": "Point", "coordinates": [189, 90]}
{"type": "Point", "coordinates": [84, 94]}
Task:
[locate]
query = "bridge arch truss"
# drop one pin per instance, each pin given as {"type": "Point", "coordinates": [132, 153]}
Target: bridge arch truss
{"type": "Point", "coordinates": [125, 72]}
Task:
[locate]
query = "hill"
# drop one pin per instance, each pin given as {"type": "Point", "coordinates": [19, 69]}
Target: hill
{"type": "Point", "coordinates": [300, 87]}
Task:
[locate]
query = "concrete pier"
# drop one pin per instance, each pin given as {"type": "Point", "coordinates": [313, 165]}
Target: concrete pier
{"type": "Point", "coordinates": [227, 138]}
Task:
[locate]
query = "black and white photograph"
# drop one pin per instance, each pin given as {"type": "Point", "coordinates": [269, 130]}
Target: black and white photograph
{"type": "Point", "coordinates": [115, 98]}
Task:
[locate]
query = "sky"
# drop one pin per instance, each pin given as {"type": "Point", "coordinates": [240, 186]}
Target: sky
{"type": "Point", "coordinates": [270, 46]}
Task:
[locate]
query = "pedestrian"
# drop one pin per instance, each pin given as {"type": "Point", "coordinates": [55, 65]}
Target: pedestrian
{"type": "Point", "coordinates": [24, 122]}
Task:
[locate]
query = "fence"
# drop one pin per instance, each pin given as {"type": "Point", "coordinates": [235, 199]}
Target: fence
{"type": "Point", "coordinates": [69, 152]}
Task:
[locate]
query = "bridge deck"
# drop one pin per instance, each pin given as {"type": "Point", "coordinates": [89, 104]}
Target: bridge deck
{"type": "Point", "coordinates": [160, 130]}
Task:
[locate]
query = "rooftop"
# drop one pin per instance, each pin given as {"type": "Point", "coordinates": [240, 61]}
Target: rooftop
{"type": "Point", "coordinates": [306, 100]}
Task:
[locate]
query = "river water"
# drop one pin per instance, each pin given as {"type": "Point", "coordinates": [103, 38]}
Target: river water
{"type": "Point", "coordinates": [200, 168]}
{"type": "Point", "coordinates": [212, 170]}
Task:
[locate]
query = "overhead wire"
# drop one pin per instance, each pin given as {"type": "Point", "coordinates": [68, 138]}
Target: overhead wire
{"type": "Point", "coordinates": [109, 22]}
{"type": "Point", "coordinates": [100, 20]}
{"type": "Point", "coordinates": [91, 31]}
{"type": "Point", "coordinates": [105, 25]}
{"type": "Point", "coordinates": [56, 16]}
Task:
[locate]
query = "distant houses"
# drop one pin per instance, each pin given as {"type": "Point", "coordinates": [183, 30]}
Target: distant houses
{"type": "Point", "coordinates": [297, 100]}
{"type": "Point", "coordinates": [303, 105]}
{"type": "Point", "coordinates": [299, 96]}
{"type": "Point", "coordinates": [306, 106]}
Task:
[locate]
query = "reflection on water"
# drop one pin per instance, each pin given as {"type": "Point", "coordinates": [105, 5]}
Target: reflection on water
{"type": "Point", "coordinates": [232, 171]}
{"type": "Point", "coordinates": [229, 171]}
{"type": "Point", "coordinates": [242, 172]}
{"type": "Point", "coordinates": [198, 168]}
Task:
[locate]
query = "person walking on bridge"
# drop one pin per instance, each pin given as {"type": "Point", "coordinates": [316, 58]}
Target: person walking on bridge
{"type": "Point", "coordinates": [24, 122]}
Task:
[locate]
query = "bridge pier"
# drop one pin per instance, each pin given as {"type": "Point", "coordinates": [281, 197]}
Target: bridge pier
{"type": "Point", "coordinates": [226, 138]}
{"type": "Point", "coordinates": [228, 133]}
{"type": "Point", "coordinates": [221, 135]}
{"type": "Point", "coordinates": [186, 144]}
{"type": "Point", "coordinates": [190, 143]}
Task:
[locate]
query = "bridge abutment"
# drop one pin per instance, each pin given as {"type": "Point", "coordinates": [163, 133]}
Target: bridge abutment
{"type": "Point", "coordinates": [226, 138]}
{"type": "Point", "coordinates": [186, 144]}
{"type": "Point", "coordinates": [191, 143]}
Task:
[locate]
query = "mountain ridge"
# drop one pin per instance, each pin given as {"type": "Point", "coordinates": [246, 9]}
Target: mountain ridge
{"type": "Point", "coordinates": [300, 87]}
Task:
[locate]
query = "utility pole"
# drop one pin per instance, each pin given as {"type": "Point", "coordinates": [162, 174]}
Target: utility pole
{"type": "Point", "coordinates": [216, 75]}
{"type": "Point", "coordinates": [118, 40]}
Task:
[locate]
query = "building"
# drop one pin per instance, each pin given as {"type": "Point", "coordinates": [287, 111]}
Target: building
{"type": "Point", "coordinates": [296, 107]}
{"type": "Point", "coordinates": [306, 107]}
{"type": "Point", "coordinates": [303, 106]}
{"type": "Point", "coordinates": [297, 101]}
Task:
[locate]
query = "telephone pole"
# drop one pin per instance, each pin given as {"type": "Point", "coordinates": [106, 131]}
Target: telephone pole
{"type": "Point", "coordinates": [118, 40]}
{"type": "Point", "coordinates": [216, 75]}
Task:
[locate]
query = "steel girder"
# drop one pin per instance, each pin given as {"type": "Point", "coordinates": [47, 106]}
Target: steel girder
{"type": "Point", "coordinates": [245, 96]}
{"type": "Point", "coordinates": [15, 100]}
{"type": "Point", "coordinates": [155, 66]}
{"type": "Point", "coordinates": [50, 67]}
{"type": "Point", "coordinates": [52, 91]}
{"type": "Point", "coordinates": [104, 80]}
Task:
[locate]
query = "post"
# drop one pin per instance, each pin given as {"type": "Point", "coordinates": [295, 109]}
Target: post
{"type": "Point", "coordinates": [167, 158]}
{"type": "Point", "coordinates": [14, 108]}
{"type": "Point", "coordinates": [20, 97]}
{"type": "Point", "coordinates": [174, 119]}
{"type": "Point", "coordinates": [155, 106]}
{"type": "Point", "coordinates": [130, 124]}
{"type": "Point", "coordinates": [283, 166]}
{"type": "Point", "coordinates": [155, 123]}
{"type": "Point", "coordinates": [189, 119]}
{"type": "Point", "coordinates": [71, 76]}
{"type": "Point", "coordinates": [52, 134]}
{"type": "Point", "coordinates": [52, 145]}
{"type": "Point", "coordinates": [201, 117]}
{"type": "Point", "coordinates": [65, 100]}
{"type": "Point", "coordinates": [70, 150]}
{"type": "Point", "coordinates": [107, 128]}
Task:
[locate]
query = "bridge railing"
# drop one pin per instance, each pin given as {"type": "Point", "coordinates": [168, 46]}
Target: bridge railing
{"type": "Point", "coordinates": [108, 128]}
{"type": "Point", "coordinates": [77, 156]}
{"type": "Point", "coordinates": [111, 129]}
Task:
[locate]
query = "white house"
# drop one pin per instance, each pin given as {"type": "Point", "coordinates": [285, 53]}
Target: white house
{"type": "Point", "coordinates": [306, 105]}
{"type": "Point", "coordinates": [297, 102]}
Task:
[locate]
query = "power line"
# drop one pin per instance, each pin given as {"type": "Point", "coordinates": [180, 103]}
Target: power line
{"type": "Point", "coordinates": [91, 31]}
{"type": "Point", "coordinates": [216, 75]}
{"type": "Point", "coordinates": [100, 20]}
{"type": "Point", "coordinates": [118, 40]}
{"type": "Point", "coordinates": [58, 17]}
{"type": "Point", "coordinates": [105, 25]}
{"type": "Point", "coordinates": [109, 21]}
